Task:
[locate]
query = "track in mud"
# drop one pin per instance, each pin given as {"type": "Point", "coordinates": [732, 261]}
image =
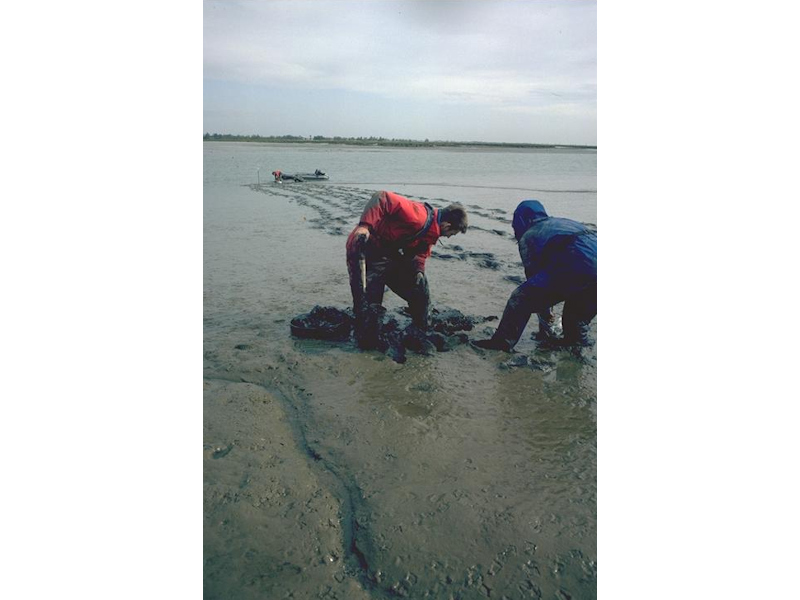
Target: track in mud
{"type": "Point", "coordinates": [339, 207]}
{"type": "Point", "coordinates": [355, 541]}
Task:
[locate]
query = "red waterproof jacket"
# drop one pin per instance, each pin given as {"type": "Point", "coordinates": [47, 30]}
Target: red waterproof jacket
{"type": "Point", "coordinates": [391, 218]}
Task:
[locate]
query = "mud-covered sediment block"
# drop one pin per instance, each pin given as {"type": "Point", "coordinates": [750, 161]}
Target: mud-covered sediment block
{"type": "Point", "coordinates": [323, 323]}
{"type": "Point", "coordinates": [395, 333]}
{"type": "Point", "coordinates": [450, 321]}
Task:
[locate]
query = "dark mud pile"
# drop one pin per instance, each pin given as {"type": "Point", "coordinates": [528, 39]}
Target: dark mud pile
{"type": "Point", "coordinates": [396, 335]}
{"type": "Point", "coordinates": [323, 323]}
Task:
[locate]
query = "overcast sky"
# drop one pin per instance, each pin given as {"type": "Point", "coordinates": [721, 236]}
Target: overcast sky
{"type": "Point", "coordinates": [504, 71]}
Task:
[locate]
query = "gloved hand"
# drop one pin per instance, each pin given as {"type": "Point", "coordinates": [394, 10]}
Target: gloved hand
{"type": "Point", "coordinates": [549, 326]}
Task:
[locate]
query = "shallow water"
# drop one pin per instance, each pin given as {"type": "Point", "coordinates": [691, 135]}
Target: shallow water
{"type": "Point", "coordinates": [456, 475]}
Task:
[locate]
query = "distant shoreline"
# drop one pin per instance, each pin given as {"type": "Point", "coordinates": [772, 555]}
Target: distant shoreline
{"type": "Point", "coordinates": [391, 143]}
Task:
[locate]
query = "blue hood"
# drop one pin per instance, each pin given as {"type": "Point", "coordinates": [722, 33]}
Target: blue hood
{"type": "Point", "coordinates": [526, 213]}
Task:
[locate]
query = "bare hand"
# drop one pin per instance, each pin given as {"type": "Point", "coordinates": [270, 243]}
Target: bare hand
{"type": "Point", "coordinates": [362, 231]}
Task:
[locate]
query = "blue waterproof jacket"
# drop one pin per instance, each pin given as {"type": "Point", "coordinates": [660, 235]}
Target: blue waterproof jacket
{"type": "Point", "coordinates": [557, 253]}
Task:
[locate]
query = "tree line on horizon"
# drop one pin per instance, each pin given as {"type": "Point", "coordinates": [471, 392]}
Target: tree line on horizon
{"type": "Point", "coordinates": [371, 141]}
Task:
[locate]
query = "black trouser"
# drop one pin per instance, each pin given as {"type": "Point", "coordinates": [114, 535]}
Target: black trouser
{"type": "Point", "coordinates": [580, 307]}
{"type": "Point", "coordinates": [385, 269]}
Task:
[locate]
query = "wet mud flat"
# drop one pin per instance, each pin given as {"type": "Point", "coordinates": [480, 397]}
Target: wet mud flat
{"type": "Point", "coordinates": [272, 524]}
{"type": "Point", "coordinates": [331, 472]}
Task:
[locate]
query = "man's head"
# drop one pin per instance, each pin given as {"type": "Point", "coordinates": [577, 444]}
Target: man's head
{"type": "Point", "coordinates": [453, 220]}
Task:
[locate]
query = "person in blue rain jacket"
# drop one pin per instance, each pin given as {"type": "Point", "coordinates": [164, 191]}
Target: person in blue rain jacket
{"type": "Point", "coordinates": [560, 260]}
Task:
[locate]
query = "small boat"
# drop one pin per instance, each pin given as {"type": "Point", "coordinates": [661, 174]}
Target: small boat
{"type": "Point", "coordinates": [315, 176]}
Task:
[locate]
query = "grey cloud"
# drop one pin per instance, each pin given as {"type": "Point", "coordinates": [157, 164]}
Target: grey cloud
{"type": "Point", "coordinates": [520, 55]}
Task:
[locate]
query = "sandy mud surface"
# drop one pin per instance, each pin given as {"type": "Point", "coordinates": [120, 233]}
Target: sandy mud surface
{"type": "Point", "coordinates": [272, 524]}
{"type": "Point", "coordinates": [335, 473]}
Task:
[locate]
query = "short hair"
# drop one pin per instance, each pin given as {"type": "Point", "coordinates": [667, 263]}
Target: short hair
{"type": "Point", "coordinates": [456, 216]}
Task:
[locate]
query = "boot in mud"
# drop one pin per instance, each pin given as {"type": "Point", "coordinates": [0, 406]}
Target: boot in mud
{"type": "Point", "coordinates": [492, 344]}
{"type": "Point", "coordinates": [576, 334]}
{"type": "Point", "coordinates": [416, 340]}
{"type": "Point", "coordinates": [368, 327]}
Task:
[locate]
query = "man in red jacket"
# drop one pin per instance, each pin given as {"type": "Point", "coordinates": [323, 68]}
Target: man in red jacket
{"type": "Point", "coordinates": [392, 240]}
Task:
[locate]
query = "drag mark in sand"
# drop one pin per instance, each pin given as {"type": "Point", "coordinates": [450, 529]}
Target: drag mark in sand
{"type": "Point", "coordinates": [356, 542]}
{"type": "Point", "coordinates": [354, 516]}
